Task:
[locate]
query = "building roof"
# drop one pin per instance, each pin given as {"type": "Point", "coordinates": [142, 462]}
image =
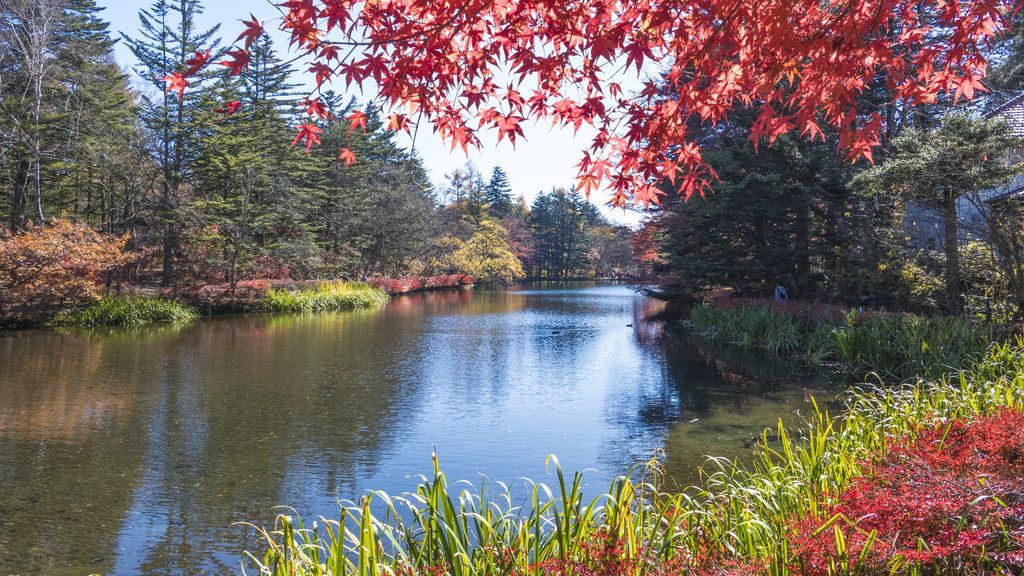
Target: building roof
{"type": "Point", "coordinates": [1013, 111]}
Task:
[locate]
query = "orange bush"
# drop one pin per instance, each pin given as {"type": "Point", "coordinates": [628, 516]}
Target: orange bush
{"type": "Point", "coordinates": [48, 268]}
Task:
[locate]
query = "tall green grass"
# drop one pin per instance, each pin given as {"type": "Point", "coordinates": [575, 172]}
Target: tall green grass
{"type": "Point", "coordinates": [741, 516]}
{"type": "Point", "coordinates": [894, 346]}
{"type": "Point", "coordinates": [327, 296]}
{"type": "Point", "coordinates": [128, 311]}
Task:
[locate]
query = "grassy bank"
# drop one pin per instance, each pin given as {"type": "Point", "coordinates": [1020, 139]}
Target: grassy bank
{"type": "Point", "coordinates": [783, 514]}
{"type": "Point", "coordinates": [327, 296]}
{"type": "Point", "coordinates": [128, 311]}
{"type": "Point", "coordinates": [895, 346]}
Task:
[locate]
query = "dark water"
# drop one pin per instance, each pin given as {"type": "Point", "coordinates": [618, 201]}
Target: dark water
{"type": "Point", "coordinates": [134, 452]}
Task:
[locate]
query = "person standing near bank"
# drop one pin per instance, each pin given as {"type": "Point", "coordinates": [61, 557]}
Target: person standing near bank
{"type": "Point", "coordinates": [781, 294]}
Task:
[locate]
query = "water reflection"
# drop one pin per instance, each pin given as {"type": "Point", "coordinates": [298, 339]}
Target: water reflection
{"type": "Point", "coordinates": [135, 452]}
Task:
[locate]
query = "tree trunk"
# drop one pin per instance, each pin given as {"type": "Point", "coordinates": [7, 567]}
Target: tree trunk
{"type": "Point", "coordinates": [952, 248]}
{"type": "Point", "coordinates": [19, 197]}
{"type": "Point", "coordinates": [169, 244]}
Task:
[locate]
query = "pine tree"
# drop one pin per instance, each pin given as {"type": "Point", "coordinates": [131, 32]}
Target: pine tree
{"type": "Point", "coordinates": [378, 214]}
{"type": "Point", "coordinates": [561, 222]}
{"type": "Point", "coordinates": [56, 72]}
{"type": "Point", "coordinates": [498, 193]}
{"type": "Point", "coordinates": [167, 38]}
{"type": "Point", "coordinates": [252, 203]}
{"type": "Point", "coordinates": [963, 156]}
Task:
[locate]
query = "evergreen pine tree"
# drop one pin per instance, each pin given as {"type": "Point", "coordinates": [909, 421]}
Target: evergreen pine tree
{"type": "Point", "coordinates": [167, 38]}
{"type": "Point", "coordinates": [498, 193]}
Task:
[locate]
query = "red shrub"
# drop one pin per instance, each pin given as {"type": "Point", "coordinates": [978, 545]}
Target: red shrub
{"type": "Point", "coordinates": [953, 500]}
{"type": "Point", "coordinates": [413, 284]}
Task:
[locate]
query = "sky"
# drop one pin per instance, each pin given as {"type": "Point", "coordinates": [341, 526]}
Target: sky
{"type": "Point", "coordinates": [545, 159]}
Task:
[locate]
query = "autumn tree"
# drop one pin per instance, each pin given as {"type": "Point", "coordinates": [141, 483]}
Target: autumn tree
{"type": "Point", "coordinates": [47, 268]}
{"type": "Point", "coordinates": [486, 256]}
{"type": "Point", "coordinates": [462, 67]}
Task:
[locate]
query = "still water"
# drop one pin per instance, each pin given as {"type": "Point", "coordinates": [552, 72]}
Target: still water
{"type": "Point", "coordinates": [135, 452]}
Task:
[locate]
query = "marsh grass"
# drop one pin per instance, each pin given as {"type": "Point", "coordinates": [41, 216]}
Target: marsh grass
{"type": "Point", "coordinates": [893, 346]}
{"type": "Point", "coordinates": [128, 311]}
{"type": "Point", "coordinates": [739, 519]}
{"type": "Point", "coordinates": [325, 297]}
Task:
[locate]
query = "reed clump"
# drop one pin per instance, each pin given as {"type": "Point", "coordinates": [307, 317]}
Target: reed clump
{"type": "Point", "coordinates": [325, 297]}
{"type": "Point", "coordinates": [744, 519]}
{"type": "Point", "coordinates": [892, 345]}
{"type": "Point", "coordinates": [135, 310]}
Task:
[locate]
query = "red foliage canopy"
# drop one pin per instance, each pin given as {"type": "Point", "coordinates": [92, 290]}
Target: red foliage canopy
{"type": "Point", "coordinates": [462, 66]}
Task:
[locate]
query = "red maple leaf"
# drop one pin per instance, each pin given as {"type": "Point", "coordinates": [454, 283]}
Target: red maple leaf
{"type": "Point", "coordinates": [197, 62]}
{"type": "Point", "coordinates": [229, 108]}
{"type": "Point", "coordinates": [315, 107]}
{"type": "Point", "coordinates": [348, 156]}
{"type": "Point", "coordinates": [238, 62]}
{"type": "Point", "coordinates": [253, 30]}
{"type": "Point", "coordinates": [398, 122]}
{"type": "Point", "coordinates": [323, 73]}
{"type": "Point", "coordinates": [177, 82]}
{"type": "Point", "coordinates": [356, 119]}
{"type": "Point", "coordinates": [310, 133]}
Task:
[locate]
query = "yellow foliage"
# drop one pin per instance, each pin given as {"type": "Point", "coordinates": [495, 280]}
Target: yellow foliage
{"type": "Point", "coordinates": [486, 256]}
{"type": "Point", "coordinates": [48, 268]}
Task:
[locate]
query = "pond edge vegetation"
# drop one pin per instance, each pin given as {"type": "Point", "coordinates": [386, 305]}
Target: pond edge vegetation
{"type": "Point", "coordinates": [128, 310]}
{"type": "Point", "coordinates": [893, 346]}
{"type": "Point", "coordinates": [783, 514]}
{"type": "Point", "coordinates": [141, 309]}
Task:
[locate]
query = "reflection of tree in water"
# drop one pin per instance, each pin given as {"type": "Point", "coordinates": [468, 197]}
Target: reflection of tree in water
{"type": "Point", "coordinates": [272, 410]}
{"type": "Point", "coordinates": [264, 397]}
{"type": "Point", "coordinates": [68, 456]}
{"type": "Point", "coordinates": [719, 398]}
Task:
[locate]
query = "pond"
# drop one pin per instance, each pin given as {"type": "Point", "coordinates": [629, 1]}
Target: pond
{"type": "Point", "coordinates": [135, 451]}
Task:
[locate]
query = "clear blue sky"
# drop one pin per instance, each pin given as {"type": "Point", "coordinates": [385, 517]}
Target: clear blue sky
{"type": "Point", "coordinates": [546, 159]}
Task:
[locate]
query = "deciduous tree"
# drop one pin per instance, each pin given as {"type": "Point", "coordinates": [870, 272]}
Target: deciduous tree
{"type": "Point", "coordinates": [464, 66]}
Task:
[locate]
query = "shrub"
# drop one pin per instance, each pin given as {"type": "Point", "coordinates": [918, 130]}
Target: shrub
{"type": "Point", "coordinates": [128, 311]}
{"type": "Point", "coordinates": [326, 296]}
{"type": "Point", "coordinates": [951, 499]}
{"type": "Point", "coordinates": [50, 268]}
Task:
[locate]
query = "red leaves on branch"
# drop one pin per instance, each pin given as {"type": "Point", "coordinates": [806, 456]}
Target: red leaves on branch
{"type": "Point", "coordinates": [805, 64]}
{"type": "Point", "coordinates": [197, 62]}
{"type": "Point", "coordinates": [310, 133]}
{"type": "Point", "coordinates": [356, 119]}
{"type": "Point", "coordinates": [315, 107]}
{"type": "Point", "coordinates": [398, 123]}
{"type": "Point", "coordinates": [237, 62]}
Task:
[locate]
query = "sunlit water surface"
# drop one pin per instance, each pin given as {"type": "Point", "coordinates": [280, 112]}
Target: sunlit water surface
{"type": "Point", "coordinates": [135, 452]}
